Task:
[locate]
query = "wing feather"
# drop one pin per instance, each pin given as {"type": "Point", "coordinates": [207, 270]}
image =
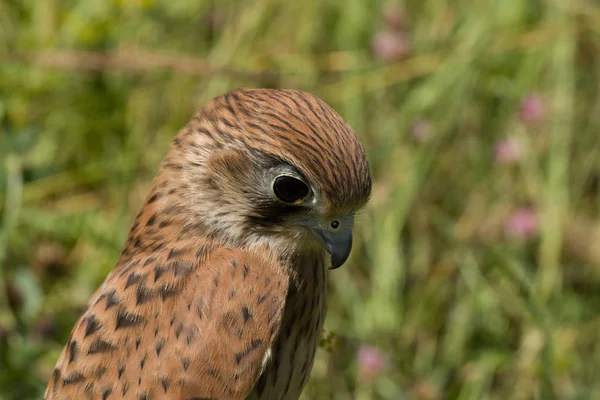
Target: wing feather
{"type": "Point", "coordinates": [175, 325]}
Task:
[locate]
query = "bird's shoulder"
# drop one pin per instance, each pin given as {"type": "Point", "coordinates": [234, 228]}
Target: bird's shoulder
{"type": "Point", "coordinates": [179, 322]}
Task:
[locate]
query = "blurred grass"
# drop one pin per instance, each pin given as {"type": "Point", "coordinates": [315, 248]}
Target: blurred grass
{"type": "Point", "coordinates": [91, 92]}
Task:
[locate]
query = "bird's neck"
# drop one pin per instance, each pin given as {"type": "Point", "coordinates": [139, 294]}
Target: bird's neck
{"type": "Point", "coordinates": [163, 223]}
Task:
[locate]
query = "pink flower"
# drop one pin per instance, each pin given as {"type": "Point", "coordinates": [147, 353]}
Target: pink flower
{"type": "Point", "coordinates": [421, 130]}
{"type": "Point", "coordinates": [215, 20]}
{"type": "Point", "coordinates": [390, 46]}
{"type": "Point", "coordinates": [508, 151]}
{"type": "Point", "coordinates": [532, 109]}
{"type": "Point", "coordinates": [394, 16]}
{"type": "Point", "coordinates": [522, 224]}
{"type": "Point", "coordinates": [371, 363]}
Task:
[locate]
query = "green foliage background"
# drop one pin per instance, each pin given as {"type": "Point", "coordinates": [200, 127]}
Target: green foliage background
{"type": "Point", "coordinates": [459, 309]}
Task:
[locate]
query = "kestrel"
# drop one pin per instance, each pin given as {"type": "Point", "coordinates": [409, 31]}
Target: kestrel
{"type": "Point", "coordinates": [220, 289]}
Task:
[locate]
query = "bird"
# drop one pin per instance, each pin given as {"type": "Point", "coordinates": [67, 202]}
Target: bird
{"type": "Point", "coordinates": [220, 290]}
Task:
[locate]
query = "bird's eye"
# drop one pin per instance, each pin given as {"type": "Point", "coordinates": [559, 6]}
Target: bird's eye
{"type": "Point", "coordinates": [289, 189]}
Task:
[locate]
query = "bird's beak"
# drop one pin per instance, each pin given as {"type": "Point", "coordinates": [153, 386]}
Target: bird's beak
{"type": "Point", "coordinates": [338, 244]}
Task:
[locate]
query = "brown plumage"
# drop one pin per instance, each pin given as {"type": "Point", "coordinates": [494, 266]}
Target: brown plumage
{"type": "Point", "coordinates": [220, 290]}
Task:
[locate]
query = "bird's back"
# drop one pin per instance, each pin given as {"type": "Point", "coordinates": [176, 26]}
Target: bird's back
{"type": "Point", "coordinates": [177, 324]}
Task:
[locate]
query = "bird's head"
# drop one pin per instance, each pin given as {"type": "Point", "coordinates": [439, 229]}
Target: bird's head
{"type": "Point", "coordinates": [259, 165]}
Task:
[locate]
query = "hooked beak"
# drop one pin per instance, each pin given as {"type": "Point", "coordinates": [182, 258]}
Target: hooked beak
{"type": "Point", "coordinates": [337, 242]}
{"type": "Point", "coordinates": [338, 245]}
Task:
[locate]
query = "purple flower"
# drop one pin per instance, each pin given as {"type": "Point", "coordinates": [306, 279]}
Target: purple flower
{"type": "Point", "coordinates": [532, 109]}
{"type": "Point", "coordinates": [421, 130]}
{"type": "Point", "coordinates": [371, 363]}
{"type": "Point", "coordinates": [508, 151]}
{"type": "Point", "coordinates": [215, 20]}
{"type": "Point", "coordinates": [390, 46]}
{"type": "Point", "coordinates": [521, 224]}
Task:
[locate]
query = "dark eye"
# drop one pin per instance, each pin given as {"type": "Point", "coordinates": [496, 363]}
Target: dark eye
{"type": "Point", "coordinates": [289, 189]}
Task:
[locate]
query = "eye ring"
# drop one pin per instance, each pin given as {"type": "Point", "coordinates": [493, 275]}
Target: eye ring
{"type": "Point", "coordinates": [289, 189]}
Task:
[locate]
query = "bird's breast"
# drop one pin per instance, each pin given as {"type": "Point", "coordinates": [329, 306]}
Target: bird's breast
{"type": "Point", "coordinates": [294, 350]}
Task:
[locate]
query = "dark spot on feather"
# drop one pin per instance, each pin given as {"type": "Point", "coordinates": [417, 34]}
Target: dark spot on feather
{"type": "Point", "coordinates": [182, 268]}
{"type": "Point", "coordinates": [111, 299]}
{"type": "Point", "coordinates": [149, 261]}
{"type": "Point", "coordinates": [100, 346]}
{"type": "Point", "coordinates": [201, 251]}
{"type": "Point", "coordinates": [159, 270]}
{"type": "Point", "coordinates": [157, 247]}
{"type": "Point", "coordinates": [92, 326]}
{"type": "Point", "coordinates": [143, 295]}
{"type": "Point", "coordinates": [106, 393]}
{"type": "Point", "coordinates": [159, 347]}
{"type": "Point", "coordinates": [75, 377]}
{"type": "Point", "coordinates": [178, 330]}
{"type": "Point", "coordinates": [263, 297]}
{"type": "Point", "coordinates": [246, 313]}
{"type": "Point", "coordinates": [173, 253]}
{"type": "Point", "coordinates": [100, 372]}
{"type": "Point", "coordinates": [133, 279]}
{"type": "Point", "coordinates": [154, 197]}
{"type": "Point", "coordinates": [73, 351]}
{"type": "Point", "coordinates": [191, 335]}
{"type": "Point", "coordinates": [173, 166]}
{"type": "Point", "coordinates": [127, 320]}
{"type": "Point", "coordinates": [55, 377]}
{"type": "Point", "coordinates": [253, 345]}
{"type": "Point", "coordinates": [168, 291]}
{"type": "Point", "coordinates": [151, 220]}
